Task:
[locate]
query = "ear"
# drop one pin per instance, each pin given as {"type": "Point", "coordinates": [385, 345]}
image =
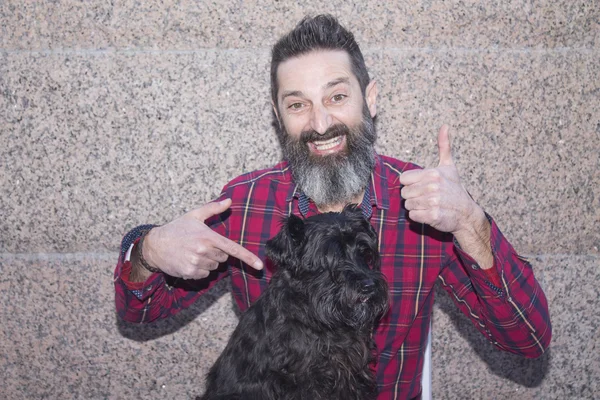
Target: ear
{"type": "Point", "coordinates": [371, 98]}
{"type": "Point", "coordinates": [295, 227]}
{"type": "Point", "coordinates": [353, 211]}
{"type": "Point", "coordinates": [283, 248]}
{"type": "Point", "coordinates": [276, 113]}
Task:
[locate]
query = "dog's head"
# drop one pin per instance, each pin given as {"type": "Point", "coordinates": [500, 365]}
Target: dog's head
{"type": "Point", "coordinates": [333, 259]}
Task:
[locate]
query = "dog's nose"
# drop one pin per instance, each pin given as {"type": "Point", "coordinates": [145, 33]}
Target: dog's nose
{"type": "Point", "coordinates": [367, 285]}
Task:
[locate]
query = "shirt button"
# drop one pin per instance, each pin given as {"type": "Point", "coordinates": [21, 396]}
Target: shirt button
{"type": "Point", "coordinates": [475, 267]}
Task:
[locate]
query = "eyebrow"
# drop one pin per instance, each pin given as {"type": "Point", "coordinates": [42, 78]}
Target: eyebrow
{"type": "Point", "coordinates": [336, 82]}
{"type": "Point", "coordinates": [328, 85]}
{"type": "Point", "coordinates": [291, 93]}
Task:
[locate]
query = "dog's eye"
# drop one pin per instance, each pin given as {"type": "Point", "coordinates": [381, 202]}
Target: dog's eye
{"type": "Point", "coordinates": [368, 257]}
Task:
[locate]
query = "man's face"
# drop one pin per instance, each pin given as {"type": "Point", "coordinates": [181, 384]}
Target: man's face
{"type": "Point", "coordinates": [318, 90]}
{"type": "Point", "coordinates": [327, 126]}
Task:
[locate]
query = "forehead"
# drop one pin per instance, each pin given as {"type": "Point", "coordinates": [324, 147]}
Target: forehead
{"type": "Point", "coordinates": [309, 73]}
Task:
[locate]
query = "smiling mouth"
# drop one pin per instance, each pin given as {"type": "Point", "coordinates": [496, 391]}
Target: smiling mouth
{"type": "Point", "coordinates": [326, 146]}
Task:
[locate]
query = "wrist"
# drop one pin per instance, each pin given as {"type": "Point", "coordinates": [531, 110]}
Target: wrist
{"type": "Point", "coordinates": [144, 253]}
{"type": "Point", "coordinates": [474, 238]}
{"type": "Point", "coordinates": [472, 223]}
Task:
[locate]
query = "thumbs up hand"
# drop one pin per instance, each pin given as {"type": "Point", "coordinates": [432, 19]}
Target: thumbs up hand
{"type": "Point", "coordinates": [435, 196]}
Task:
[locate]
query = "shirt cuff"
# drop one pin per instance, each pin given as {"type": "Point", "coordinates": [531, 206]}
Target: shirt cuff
{"type": "Point", "coordinates": [128, 254]}
{"type": "Point", "coordinates": [141, 290]}
{"type": "Point", "coordinates": [491, 276]}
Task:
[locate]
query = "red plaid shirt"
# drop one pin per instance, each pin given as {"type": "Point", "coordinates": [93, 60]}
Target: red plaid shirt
{"type": "Point", "coordinates": [505, 303]}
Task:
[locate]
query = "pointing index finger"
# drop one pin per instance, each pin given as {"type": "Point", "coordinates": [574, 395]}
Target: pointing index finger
{"type": "Point", "coordinates": [238, 251]}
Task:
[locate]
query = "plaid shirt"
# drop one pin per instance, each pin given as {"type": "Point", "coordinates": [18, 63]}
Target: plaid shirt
{"type": "Point", "coordinates": [505, 303]}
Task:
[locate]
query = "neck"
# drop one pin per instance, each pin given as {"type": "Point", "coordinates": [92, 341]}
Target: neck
{"type": "Point", "coordinates": [338, 207]}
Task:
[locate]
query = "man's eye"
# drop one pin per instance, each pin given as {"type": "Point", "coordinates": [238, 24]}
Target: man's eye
{"type": "Point", "coordinates": [338, 97]}
{"type": "Point", "coordinates": [295, 106]}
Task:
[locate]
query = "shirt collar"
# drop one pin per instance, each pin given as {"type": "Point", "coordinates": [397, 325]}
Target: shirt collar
{"type": "Point", "coordinates": [376, 193]}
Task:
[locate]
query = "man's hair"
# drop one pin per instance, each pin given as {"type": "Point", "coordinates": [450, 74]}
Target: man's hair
{"type": "Point", "coordinates": [322, 32]}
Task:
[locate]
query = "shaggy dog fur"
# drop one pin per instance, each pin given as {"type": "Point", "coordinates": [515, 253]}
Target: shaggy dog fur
{"type": "Point", "coordinates": [308, 336]}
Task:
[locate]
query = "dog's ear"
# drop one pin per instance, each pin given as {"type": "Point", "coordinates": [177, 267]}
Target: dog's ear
{"type": "Point", "coordinates": [353, 210]}
{"type": "Point", "coordinates": [283, 248]}
{"type": "Point", "coordinates": [295, 226]}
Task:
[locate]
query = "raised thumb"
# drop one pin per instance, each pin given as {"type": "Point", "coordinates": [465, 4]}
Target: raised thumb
{"type": "Point", "coordinates": [445, 151]}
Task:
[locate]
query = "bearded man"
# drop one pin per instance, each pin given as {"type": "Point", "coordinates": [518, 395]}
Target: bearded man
{"type": "Point", "coordinates": [429, 228]}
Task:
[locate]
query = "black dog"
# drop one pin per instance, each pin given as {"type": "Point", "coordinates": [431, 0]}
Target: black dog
{"type": "Point", "coordinates": [308, 336]}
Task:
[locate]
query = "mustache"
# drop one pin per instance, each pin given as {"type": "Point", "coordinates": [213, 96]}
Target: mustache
{"type": "Point", "coordinates": [332, 132]}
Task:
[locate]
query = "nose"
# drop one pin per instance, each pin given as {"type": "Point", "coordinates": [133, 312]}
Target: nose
{"type": "Point", "coordinates": [320, 119]}
{"type": "Point", "coordinates": [367, 285]}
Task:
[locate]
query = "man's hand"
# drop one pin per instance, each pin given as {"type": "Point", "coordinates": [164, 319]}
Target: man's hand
{"type": "Point", "coordinates": [436, 197]}
{"type": "Point", "coordinates": [188, 248]}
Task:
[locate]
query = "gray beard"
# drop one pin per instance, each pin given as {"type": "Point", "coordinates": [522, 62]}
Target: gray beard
{"type": "Point", "coordinates": [337, 178]}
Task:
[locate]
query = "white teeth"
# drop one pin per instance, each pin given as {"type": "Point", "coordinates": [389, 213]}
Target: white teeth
{"type": "Point", "coordinates": [328, 144]}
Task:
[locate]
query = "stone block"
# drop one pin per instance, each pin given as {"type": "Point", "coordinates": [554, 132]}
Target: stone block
{"type": "Point", "coordinates": [61, 338]}
{"type": "Point", "coordinates": [192, 25]}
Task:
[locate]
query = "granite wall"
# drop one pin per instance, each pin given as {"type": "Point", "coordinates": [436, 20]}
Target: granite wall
{"type": "Point", "coordinates": [117, 113]}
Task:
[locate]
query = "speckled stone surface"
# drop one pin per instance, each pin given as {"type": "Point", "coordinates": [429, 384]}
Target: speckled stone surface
{"type": "Point", "coordinates": [527, 135]}
{"type": "Point", "coordinates": [466, 366]}
{"type": "Point", "coordinates": [95, 144]}
{"type": "Point", "coordinates": [114, 114]}
{"type": "Point", "coordinates": [190, 24]}
{"type": "Point", "coordinates": [60, 338]}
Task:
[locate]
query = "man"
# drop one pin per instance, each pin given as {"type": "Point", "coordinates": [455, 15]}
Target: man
{"type": "Point", "coordinates": [429, 227]}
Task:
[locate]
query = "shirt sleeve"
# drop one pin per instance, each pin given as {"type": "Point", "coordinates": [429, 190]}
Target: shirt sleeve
{"type": "Point", "coordinates": [506, 303]}
{"type": "Point", "coordinates": [161, 295]}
